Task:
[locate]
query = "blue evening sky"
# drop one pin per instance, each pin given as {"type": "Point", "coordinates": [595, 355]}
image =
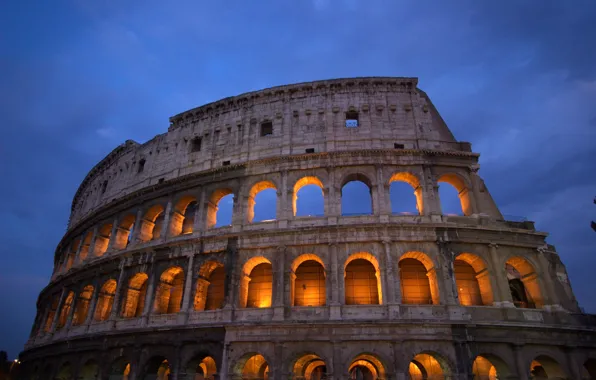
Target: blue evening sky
{"type": "Point", "coordinates": [516, 78]}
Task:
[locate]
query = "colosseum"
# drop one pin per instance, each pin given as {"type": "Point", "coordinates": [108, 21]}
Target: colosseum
{"type": "Point", "coordinates": [150, 283]}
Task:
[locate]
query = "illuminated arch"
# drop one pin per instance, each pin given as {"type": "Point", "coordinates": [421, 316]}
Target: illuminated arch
{"type": "Point", "coordinates": [254, 190]}
{"type": "Point", "coordinates": [251, 366]}
{"type": "Point", "coordinates": [105, 300]}
{"type": "Point", "coordinates": [429, 365]}
{"type": "Point", "coordinates": [85, 246]}
{"type": "Point", "coordinates": [52, 309]}
{"type": "Point", "coordinates": [256, 283]}
{"type": "Point", "coordinates": [357, 177]}
{"type": "Point", "coordinates": [124, 232]}
{"type": "Point", "coordinates": [157, 368]}
{"type": "Point", "coordinates": [135, 296]}
{"type": "Point", "coordinates": [462, 190]}
{"type": "Point", "coordinates": [82, 306]}
{"type": "Point", "coordinates": [362, 267]}
{"type": "Point", "coordinates": [419, 283]}
{"type": "Point", "coordinates": [302, 182]}
{"type": "Point", "coordinates": [308, 281]}
{"type": "Point", "coordinates": [183, 216]}
{"type": "Point", "coordinates": [65, 310]}
{"type": "Point", "coordinates": [102, 239]}
{"type": "Point", "coordinates": [120, 369]}
{"type": "Point", "coordinates": [210, 287]}
{"type": "Point", "coordinates": [152, 223]}
{"type": "Point", "coordinates": [523, 283]}
{"type": "Point", "coordinates": [489, 367]}
{"type": "Point", "coordinates": [213, 205]}
{"type": "Point", "coordinates": [168, 295]}
{"type": "Point", "coordinates": [472, 280]}
{"type": "Point", "coordinates": [309, 367]}
{"type": "Point", "coordinates": [367, 364]}
{"type": "Point", "coordinates": [545, 367]}
{"type": "Point", "coordinates": [201, 366]}
{"type": "Point", "coordinates": [414, 182]}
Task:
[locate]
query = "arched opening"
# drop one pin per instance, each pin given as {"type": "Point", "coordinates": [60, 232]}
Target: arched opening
{"type": "Point", "coordinates": [455, 198]}
{"type": "Point", "coordinates": [262, 202]}
{"type": "Point", "coordinates": [201, 368]}
{"type": "Point", "coordinates": [168, 295]}
{"type": "Point", "coordinates": [308, 281]}
{"type": "Point", "coordinates": [65, 311]}
{"type": "Point", "coordinates": [256, 285]}
{"type": "Point", "coordinates": [90, 371]}
{"type": "Point", "coordinates": [309, 367]}
{"type": "Point", "coordinates": [82, 306]}
{"type": "Point", "coordinates": [183, 217]}
{"type": "Point", "coordinates": [64, 373]}
{"type": "Point", "coordinates": [428, 366]}
{"type": "Point", "coordinates": [472, 280]}
{"type": "Point", "coordinates": [210, 288]}
{"type": "Point", "coordinates": [362, 280]}
{"type": "Point", "coordinates": [403, 200]}
{"type": "Point", "coordinates": [85, 245]}
{"type": "Point", "coordinates": [366, 367]}
{"type": "Point", "coordinates": [102, 239]}
{"type": "Point", "coordinates": [418, 277]}
{"type": "Point", "coordinates": [589, 370]}
{"type": "Point", "coordinates": [124, 232]}
{"type": "Point", "coordinates": [545, 367]}
{"type": "Point", "coordinates": [255, 368]}
{"type": "Point", "coordinates": [136, 293]}
{"type": "Point", "coordinates": [308, 198]}
{"type": "Point", "coordinates": [220, 208]}
{"type": "Point", "coordinates": [157, 368]}
{"type": "Point", "coordinates": [70, 257]}
{"type": "Point", "coordinates": [105, 300]}
{"type": "Point", "coordinates": [483, 369]}
{"type": "Point", "coordinates": [356, 195]}
{"type": "Point", "coordinates": [523, 283]}
{"type": "Point", "coordinates": [51, 313]}
{"type": "Point", "coordinates": [120, 369]}
{"type": "Point", "coordinates": [152, 223]}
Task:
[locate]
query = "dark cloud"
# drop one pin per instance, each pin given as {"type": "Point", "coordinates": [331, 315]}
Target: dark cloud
{"type": "Point", "coordinates": [516, 78]}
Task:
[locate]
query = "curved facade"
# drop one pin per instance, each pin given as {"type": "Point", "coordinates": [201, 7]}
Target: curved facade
{"type": "Point", "coordinates": [149, 283]}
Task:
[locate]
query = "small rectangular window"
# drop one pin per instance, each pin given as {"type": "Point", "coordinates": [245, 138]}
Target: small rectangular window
{"type": "Point", "coordinates": [351, 119]}
{"type": "Point", "coordinates": [310, 150]}
{"type": "Point", "coordinates": [398, 146]}
{"type": "Point", "coordinates": [226, 163]}
{"type": "Point", "coordinates": [196, 144]}
{"type": "Point", "coordinates": [161, 180]}
{"type": "Point", "coordinates": [141, 166]}
{"type": "Point", "coordinates": [267, 128]}
{"type": "Point", "coordinates": [104, 186]}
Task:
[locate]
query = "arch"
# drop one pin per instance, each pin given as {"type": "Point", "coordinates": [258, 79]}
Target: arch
{"type": "Point", "coordinates": [89, 371]}
{"type": "Point", "coordinates": [254, 190]}
{"type": "Point", "coordinates": [201, 367]}
{"type": "Point", "coordinates": [362, 280]}
{"type": "Point", "coordinates": [545, 367]}
{"type": "Point", "coordinates": [523, 283]}
{"type": "Point", "coordinates": [120, 369]}
{"type": "Point", "coordinates": [303, 182]}
{"type": "Point", "coordinates": [183, 216]}
{"type": "Point", "coordinates": [213, 207]}
{"type": "Point", "coordinates": [259, 294]}
{"type": "Point", "coordinates": [462, 191]}
{"type": "Point", "coordinates": [428, 365]}
{"type": "Point", "coordinates": [347, 203]}
{"type": "Point", "coordinates": [124, 232]}
{"type": "Point", "coordinates": [472, 280]}
{"type": "Point", "coordinates": [210, 287]}
{"type": "Point", "coordinates": [85, 246]}
{"type": "Point", "coordinates": [65, 310]}
{"type": "Point", "coordinates": [419, 284]}
{"type": "Point", "coordinates": [136, 293]}
{"type": "Point", "coordinates": [51, 313]}
{"type": "Point", "coordinates": [367, 366]}
{"type": "Point", "coordinates": [589, 369]}
{"type": "Point", "coordinates": [105, 300]}
{"type": "Point", "coordinates": [253, 367]}
{"type": "Point", "coordinates": [168, 295]}
{"type": "Point", "coordinates": [309, 366]}
{"type": "Point", "coordinates": [102, 239]}
{"type": "Point", "coordinates": [157, 368]}
{"type": "Point", "coordinates": [308, 282]}
{"type": "Point", "coordinates": [64, 373]}
{"type": "Point", "coordinates": [152, 223]}
{"type": "Point", "coordinates": [414, 182]}
{"type": "Point", "coordinates": [82, 306]}
{"type": "Point", "coordinates": [489, 367]}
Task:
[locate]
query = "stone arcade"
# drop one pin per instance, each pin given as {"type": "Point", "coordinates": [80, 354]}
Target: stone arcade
{"type": "Point", "coordinates": [148, 283]}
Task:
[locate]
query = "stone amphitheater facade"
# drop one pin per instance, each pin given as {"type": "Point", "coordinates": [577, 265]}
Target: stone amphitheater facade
{"type": "Point", "coordinates": [147, 285]}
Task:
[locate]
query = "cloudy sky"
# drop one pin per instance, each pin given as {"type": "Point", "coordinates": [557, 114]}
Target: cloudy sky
{"type": "Point", "coordinates": [516, 78]}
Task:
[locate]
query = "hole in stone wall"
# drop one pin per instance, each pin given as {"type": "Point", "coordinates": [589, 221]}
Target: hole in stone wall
{"type": "Point", "coordinates": [141, 166]}
{"type": "Point", "coordinates": [267, 128]}
{"type": "Point", "coordinates": [351, 119]}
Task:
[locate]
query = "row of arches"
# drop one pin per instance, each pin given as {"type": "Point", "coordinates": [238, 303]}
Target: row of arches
{"type": "Point", "coordinates": [426, 365]}
{"type": "Point", "coordinates": [308, 199]}
{"type": "Point", "coordinates": [309, 286]}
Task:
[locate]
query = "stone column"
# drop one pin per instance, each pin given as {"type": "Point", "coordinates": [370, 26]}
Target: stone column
{"type": "Point", "coordinates": [393, 280]}
{"type": "Point", "coordinates": [445, 275]}
{"type": "Point", "coordinates": [186, 297]}
{"type": "Point", "coordinates": [501, 291]}
{"type": "Point", "coordinates": [118, 293]}
{"type": "Point", "coordinates": [136, 232]}
{"type": "Point", "coordinates": [522, 371]}
{"type": "Point", "coordinates": [278, 364]}
{"type": "Point", "coordinates": [278, 283]}
{"type": "Point", "coordinates": [91, 252]}
{"type": "Point", "coordinates": [284, 204]}
{"type": "Point", "coordinates": [572, 364]}
{"type": "Point", "coordinates": [336, 363]}
{"type": "Point", "coordinates": [198, 225]}
{"type": "Point", "coordinates": [58, 309]}
{"type": "Point", "coordinates": [549, 295]}
{"type": "Point", "coordinates": [150, 296]}
{"type": "Point", "coordinates": [77, 259]}
{"type": "Point", "coordinates": [382, 195]}
{"type": "Point", "coordinates": [166, 221]}
{"type": "Point", "coordinates": [334, 199]}
{"type": "Point", "coordinates": [92, 304]}
{"type": "Point", "coordinates": [73, 306]}
{"type": "Point", "coordinates": [430, 194]}
{"type": "Point", "coordinates": [112, 235]}
{"type": "Point", "coordinates": [475, 190]}
{"type": "Point", "coordinates": [335, 301]}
